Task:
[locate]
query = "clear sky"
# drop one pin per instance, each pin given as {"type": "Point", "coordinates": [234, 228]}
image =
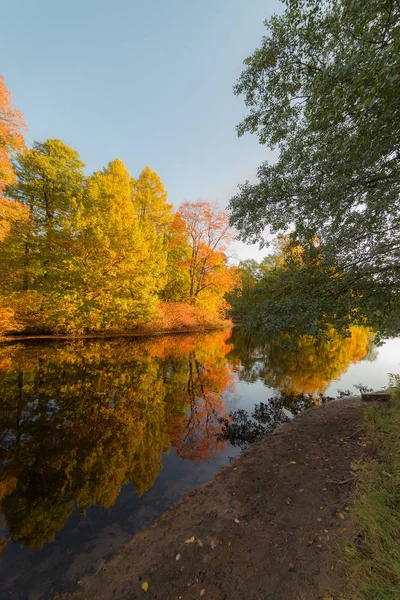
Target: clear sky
{"type": "Point", "coordinates": [149, 82]}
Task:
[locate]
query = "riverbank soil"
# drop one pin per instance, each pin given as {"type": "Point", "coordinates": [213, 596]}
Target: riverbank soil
{"type": "Point", "coordinates": [264, 529]}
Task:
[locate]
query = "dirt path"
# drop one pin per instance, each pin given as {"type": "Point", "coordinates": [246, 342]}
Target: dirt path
{"type": "Point", "coordinates": [264, 528]}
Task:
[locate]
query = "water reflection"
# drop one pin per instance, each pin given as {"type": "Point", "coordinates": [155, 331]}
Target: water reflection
{"type": "Point", "coordinates": [242, 429]}
{"type": "Point", "coordinates": [310, 368]}
{"type": "Point", "coordinates": [78, 420]}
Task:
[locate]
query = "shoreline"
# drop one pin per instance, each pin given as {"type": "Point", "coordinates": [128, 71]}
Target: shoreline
{"type": "Point", "coordinates": [262, 527]}
{"type": "Point", "coordinates": [132, 334]}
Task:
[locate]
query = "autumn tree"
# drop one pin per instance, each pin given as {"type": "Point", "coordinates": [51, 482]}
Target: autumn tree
{"type": "Point", "coordinates": [149, 197]}
{"type": "Point", "coordinates": [12, 214]}
{"type": "Point", "coordinates": [113, 271]}
{"type": "Point", "coordinates": [11, 140]}
{"type": "Point", "coordinates": [208, 233]}
{"type": "Point", "coordinates": [177, 284]}
{"type": "Point", "coordinates": [154, 215]}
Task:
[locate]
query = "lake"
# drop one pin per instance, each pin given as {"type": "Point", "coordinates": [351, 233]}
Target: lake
{"type": "Point", "coordinates": [99, 437]}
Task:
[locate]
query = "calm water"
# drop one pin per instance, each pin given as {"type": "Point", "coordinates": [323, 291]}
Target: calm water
{"type": "Point", "coordinates": [99, 437]}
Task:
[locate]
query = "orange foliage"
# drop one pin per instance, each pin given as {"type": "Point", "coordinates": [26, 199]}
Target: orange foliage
{"type": "Point", "coordinates": [179, 316]}
{"type": "Point", "coordinates": [11, 140]}
{"type": "Point", "coordinates": [209, 374]}
{"type": "Point", "coordinates": [7, 320]}
{"type": "Point", "coordinates": [208, 231]}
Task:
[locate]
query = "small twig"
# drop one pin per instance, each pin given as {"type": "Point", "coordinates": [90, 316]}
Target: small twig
{"type": "Point", "coordinates": [342, 482]}
{"type": "Point", "coordinates": [355, 433]}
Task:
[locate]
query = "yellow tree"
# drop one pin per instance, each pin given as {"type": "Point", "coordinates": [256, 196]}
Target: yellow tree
{"type": "Point", "coordinates": [112, 274]}
{"type": "Point", "coordinates": [154, 215]}
{"type": "Point", "coordinates": [150, 200]}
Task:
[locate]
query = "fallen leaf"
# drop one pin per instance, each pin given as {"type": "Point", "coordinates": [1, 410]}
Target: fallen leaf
{"type": "Point", "coordinates": [212, 544]}
{"type": "Point", "coordinates": [236, 520]}
{"type": "Point", "coordinates": [292, 462]}
{"type": "Point", "coordinates": [202, 592]}
{"type": "Point", "coordinates": [341, 516]}
{"type": "Point", "coordinates": [321, 507]}
{"type": "Point", "coordinates": [145, 586]}
{"type": "Point", "coordinates": [229, 544]}
{"type": "Point", "coordinates": [190, 540]}
{"type": "Point", "coordinates": [177, 556]}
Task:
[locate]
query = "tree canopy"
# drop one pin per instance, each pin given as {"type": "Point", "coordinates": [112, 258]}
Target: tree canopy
{"type": "Point", "coordinates": [323, 89]}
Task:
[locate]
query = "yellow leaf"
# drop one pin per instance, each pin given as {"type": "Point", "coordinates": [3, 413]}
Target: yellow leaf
{"type": "Point", "coordinates": [341, 516]}
{"type": "Point", "coordinates": [202, 592]}
{"type": "Point", "coordinates": [237, 521]}
{"type": "Point", "coordinates": [178, 556]}
{"type": "Point", "coordinates": [145, 586]}
{"type": "Point", "coordinates": [292, 462]}
{"type": "Point", "coordinates": [190, 540]}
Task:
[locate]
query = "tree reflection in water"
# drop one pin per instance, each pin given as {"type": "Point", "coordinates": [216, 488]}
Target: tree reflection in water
{"type": "Point", "coordinates": [309, 369]}
{"type": "Point", "coordinates": [301, 376]}
{"type": "Point", "coordinates": [242, 429]}
{"type": "Point", "coordinates": [80, 419]}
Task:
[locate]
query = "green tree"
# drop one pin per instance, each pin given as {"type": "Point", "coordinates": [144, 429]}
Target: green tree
{"type": "Point", "coordinates": [323, 89]}
{"type": "Point", "coordinates": [248, 273]}
{"type": "Point", "coordinates": [49, 183]}
{"type": "Point", "coordinates": [177, 285]}
{"type": "Point", "coordinates": [50, 186]}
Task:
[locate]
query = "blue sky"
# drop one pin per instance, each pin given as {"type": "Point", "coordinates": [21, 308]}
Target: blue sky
{"type": "Point", "coordinates": [149, 82]}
